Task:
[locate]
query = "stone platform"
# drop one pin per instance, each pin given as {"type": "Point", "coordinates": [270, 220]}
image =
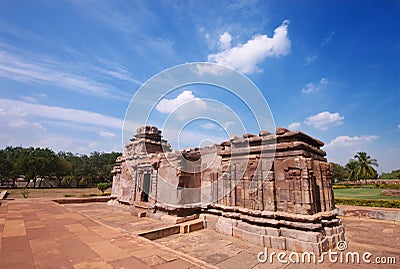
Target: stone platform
{"type": "Point", "coordinates": [37, 233]}
{"type": "Point", "coordinates": [43, 234]}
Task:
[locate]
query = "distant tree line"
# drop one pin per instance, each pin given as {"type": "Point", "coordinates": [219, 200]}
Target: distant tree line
{"type": "Point", "coordinates": [395, 174]}
{"type": "Point", "coordinates": [64, 168]}
{"type": "Point", "coordinates": [361, 167]}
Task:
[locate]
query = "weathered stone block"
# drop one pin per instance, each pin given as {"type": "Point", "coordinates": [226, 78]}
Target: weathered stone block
{"type": "Point", "coordinates": [272, 231]}
{"type": "Point", "coordinates": [305, 236]}
{"type": "Point", "coordinates": [225, 226]}
{"type": "Point", "coordinates": [324, 244]}
{"type": "Point", "coordinates": [209, 225]}
{"type": "Point", "coordinates": [297, 196]}
{"type": "Point", "coordinates": [293, 245]}
{"type": "Point", "coordinates": [333, 240]}
{"type": "Point", "coordinates": [299, 246]}
{"type": "Point", "coordinates": [141, 214]}
{"type": "Point", "coordinates": [251, 228]}
{"type": "Point", "coordinates": [248, 236]}
{"type": "Point", "coordinates": [209, 221]}
{"type": "Point", "coordinates": [341, 236]}
{"type": "Point", "coordinates": [329, 231]}
{"type": "Point", "coordinates": [267, 241]}
{"type": "Point", "coordinates": [278, 242]}
{"type": "Point", "coordinates": [305, 196]}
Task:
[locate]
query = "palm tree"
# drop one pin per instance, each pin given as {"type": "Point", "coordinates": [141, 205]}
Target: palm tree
{"type": "Point", "coordinates": [351, 169]}
{"type": "Point", "coordinates": [363, 167]}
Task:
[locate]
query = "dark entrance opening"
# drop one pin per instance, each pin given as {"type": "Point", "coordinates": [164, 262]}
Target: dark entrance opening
{"type": "Point", "coordinates": [317, 195]}
{"type": "Point", "coordinates": [146, 188]}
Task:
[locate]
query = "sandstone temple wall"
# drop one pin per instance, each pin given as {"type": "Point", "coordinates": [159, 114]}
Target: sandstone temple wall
{"type": "Point", "coordinates": [270, 189]}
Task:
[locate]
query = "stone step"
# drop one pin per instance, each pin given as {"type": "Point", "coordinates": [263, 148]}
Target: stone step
{"type": "Point", "coordinates": [161, 232]}
{"type": "Point", "coordinates": [142, 205]}
{"type": "Point", "coordinates": [3, 195]}
{"type": "Point", "coordinates": [191, 226]}
{"type": "Point", "coordinates": [186, 227]}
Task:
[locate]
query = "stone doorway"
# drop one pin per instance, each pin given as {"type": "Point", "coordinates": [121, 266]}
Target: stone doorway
{"type": "Point", "coordinates": [146, 188]}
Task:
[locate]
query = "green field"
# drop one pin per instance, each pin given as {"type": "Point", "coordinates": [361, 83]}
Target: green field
{"type": "Point", "coordinates": [53, 192]}
{"type": "Point", "coordinates": [362, 193]}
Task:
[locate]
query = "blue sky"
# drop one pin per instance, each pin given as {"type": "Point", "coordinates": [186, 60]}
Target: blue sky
{"type": "Point", "coordinates": [68, 69]}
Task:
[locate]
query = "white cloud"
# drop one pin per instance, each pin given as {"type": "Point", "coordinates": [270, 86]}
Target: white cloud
{"type": "Point", "coordinates": [92, 145]}
{"type": "Point", "coordinates": [348, 141]}
{"type": "Point", "coordinates": [228, 124]}
{"type": "Point", "coordinates": [312, 88]}
{"type": "Point", "coordinates": [327, 39]}
{"type": "Point", "coordinates": [246, 57]}
{"type": "Point", "coordinates": [29, 99]}
{"type": "Point", "coordinates": [207, 68]}
{"type": "Point", "coordinates": [21, 123]}
{"type": "Point", "coordinates": [225, 40]}
{"type": "Point", "coordinates": [398, 126]}
{"type": "Point", "coordinates": [323, 81]}
{"type": "Point", "coordinates": [294, 125]}
{"type": "Point", "coordinates": [107, 134]}
{"type": "Point", "coordinates": [14, 110]}
{"type": "Point", "coordinates": [208, 126]}
{"type": "Point", "coordinates": [310, 59]}
{"type": "Point", "coordinates": [324, 120]}
{"type": "Point", "coordinates": [24, 69]}
{"type": "Point", "coordinates": [38, 125]}
{"type": "Point", "coordinates": [342, 148]}
{"type": "Point", "coordinates": [189, 138]}
{"type": "Point", "coordinates": [169, 105]}
{"type": "Point", "coordinates": [23, 109]}
{"type": "Point", "coordinates": [75, 145]}
{"type": "Point", "coordinates": [309, 88]}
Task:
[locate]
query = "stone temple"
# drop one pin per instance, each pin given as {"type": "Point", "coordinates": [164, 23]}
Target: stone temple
{"type": "Point", "coordinates": [271, 189]}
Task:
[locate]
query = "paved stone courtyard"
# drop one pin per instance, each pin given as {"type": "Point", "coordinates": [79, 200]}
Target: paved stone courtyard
{"type": "Point", "coordinates": [38, 233]}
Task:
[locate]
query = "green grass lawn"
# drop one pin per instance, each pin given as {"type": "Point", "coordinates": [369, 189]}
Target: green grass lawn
{"type": "Point", "coordinates": [362, 193]}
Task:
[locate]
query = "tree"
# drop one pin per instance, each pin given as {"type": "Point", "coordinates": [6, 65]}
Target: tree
{"type": "Point", "coordinates": [395, 174]}
{"type": "Point", "coordinates": [5, 166]}
{"type": "Point", "coordinates": [67, 168]}
{"type": "Point", "coordinates": [102, 186]}
{"type": "Point", "coordinates": [351, 168]}
{"type": "Point", "coordinates": [11, 163]}
{"type": "Point", "coordinates": [363, 167]}
{"type": "Point", "coordinates": [64, 167]}
{"type": "Point", "coordinates": [338, 172]}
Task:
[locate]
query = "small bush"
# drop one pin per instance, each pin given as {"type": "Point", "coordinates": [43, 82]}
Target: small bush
{"type": "Point", "coordinates": [368, 202]}
{"type": "Point", "coordinates": [389, 186]}
{"type": "Point", "coordinates": [97, 194]}
{"type": "Point", "coordinates": [340, 187]}
{"type": "Point", "coordinates": [102, 186]}
{"type": "Point", "coordinates": [69, 195]}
